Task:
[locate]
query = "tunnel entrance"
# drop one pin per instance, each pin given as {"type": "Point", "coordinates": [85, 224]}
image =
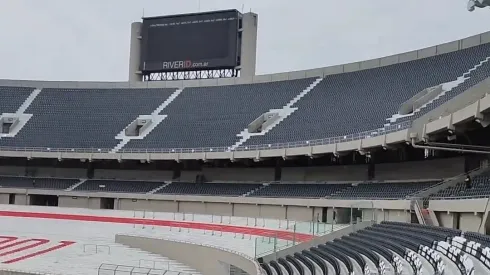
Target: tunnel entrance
{"type": "Point", "coordinates": [106, 203]}
{"type": "Point", "coordinates": [43, 200]}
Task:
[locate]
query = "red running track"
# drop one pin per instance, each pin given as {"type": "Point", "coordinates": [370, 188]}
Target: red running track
{"type": "Point", "coordinates": [280, 234]}
{"type": "Point", "coordinates": [62, 244]}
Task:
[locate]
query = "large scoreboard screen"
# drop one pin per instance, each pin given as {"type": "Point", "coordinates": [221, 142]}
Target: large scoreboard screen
{"type": "Point", "coordinates": [190, 42]}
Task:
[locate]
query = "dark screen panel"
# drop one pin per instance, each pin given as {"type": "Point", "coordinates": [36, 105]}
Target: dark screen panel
{"type": "Point", "coordinates": [190, 42]}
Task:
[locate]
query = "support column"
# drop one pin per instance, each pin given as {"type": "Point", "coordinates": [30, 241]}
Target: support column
{"type": "Point", "coordinates": [135, 53]}
{"type": "Point", "coordinates": [448, 219]}
{"type": "Point", "coordinates": [249, 45]}
{"type": "Point", "coordinates": [470, 221]}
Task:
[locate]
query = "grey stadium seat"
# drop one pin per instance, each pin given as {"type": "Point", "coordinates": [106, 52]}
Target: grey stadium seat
{"type": "Point", "coordinates": [75, 118]}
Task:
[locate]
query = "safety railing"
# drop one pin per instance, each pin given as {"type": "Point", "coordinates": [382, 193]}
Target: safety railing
{"type": "Point", "coordinates": [98, 248]}
{"type": "Point", "coordinates": [112, 269]}
{"type": "Point", "coordinates": [460, 176]}
{"type": "Point", "coordinates": [266, 245]}
{"type": "Point", "coordinates": [166, 265]}
{"type": "Point", "coordinates": [266, 235]}
{"type": "Point", "coordinates": [456, 179]}
{"type": "Point", "coordinates": [250, 225]}
{"type": "Point", "coordinates": [306, 143]}
{"type": "Point", "coordinates": [461, 197]}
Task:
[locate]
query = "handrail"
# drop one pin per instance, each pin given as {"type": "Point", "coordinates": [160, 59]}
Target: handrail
{"type": "Point", "coordinates": [294, 144]}
{"type": "Point", "coordinates": [461, 197]}
{"type": "Point", "coordinates": [115, 267]}
{"type": "Point", "coordinates": [419, 210]}
{"type": "Point", "coordinates": [414, 196]}
{"type": "Point", "coordinates": [471, 172]}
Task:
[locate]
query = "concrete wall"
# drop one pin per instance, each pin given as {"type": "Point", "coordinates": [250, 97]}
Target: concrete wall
{"type": "Point", "coordinates": [273, 212]}
{"type": "Point", "coordinates": [392, 215]}
{"type": "Point", "coordinates": [447, 219]}
{"type": "Point", "coordinates": [189, 176]}
{"type": "Point", "coordinates": [205, 259]}
{"type": "Point", "coordinates": [12, 170]}
{"type": "Point", "coordinates": [398, 215]}
{"type": "Point", "coordinates": [470, 221]}
{"type": "Point", "coordinates": [4, 198]}
{"type": "Point", "coordinates": [325, 173]}
{"type": "Point", "coordinates": [43, 172]}
{"type": "Point", "coordinates": [428, 169]}
{"type": "Point", "coordinates": [369, 214]}
{"type": "Point", "coordinates": [238, 174]}
{"type": "Point", "coordinates": [278, 208]}
{"type": "Point", "coordinates": [289, 212]}
{"type": "Point", "coordinates": [462, 205]}
{"type": "Point", "coordinates": [22, 199]}
{"type": "Point", "coordinates": [247, 210]}
{"type": "Point", "coordinates": [283, 211]}
{"type": "Point", "coordinates": [298, 213]}
{"type": "Point", "coordinates": [149, 205]}
{"type": "Point", "coordinates": [78, 202]}
{"type": "Point", "coordinates": [57, 172]}
{"type": "Point", "coordinates": [468, 213]}
{"type": "Point", "coordinates": [216, 208]}
{"type": "Point", "coordinates": [253, 201]}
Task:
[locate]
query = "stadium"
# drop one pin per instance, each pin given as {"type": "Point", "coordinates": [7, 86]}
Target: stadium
{"type": "Point", "coordinates": [198, 165]}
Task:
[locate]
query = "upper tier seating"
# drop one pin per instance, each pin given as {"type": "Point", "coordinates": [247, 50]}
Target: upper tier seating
{"type": "Point", "coordinates": [213, 116]}
{"type": "Point", "coordinates": [354, 102]}
{"type": "Point", "coordinates": [37, 183]}
{"type": "Point", "coordinates": [75, 118]}
{"type": "Point", "coordinates": [472, 79]}
{"type": "Point", "coordinates": [11, 98]}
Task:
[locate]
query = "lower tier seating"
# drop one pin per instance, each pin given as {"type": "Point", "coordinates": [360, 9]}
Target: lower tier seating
{"type": "Point", "coordinates": [366, 190]}
{"type": "Point", "coordinates": [36, 183]}
{"type": "Point", "coordinates": [390, 248]}
{"type": "Point", "coordinates": [208, 189]}
{"type": "Point", "coordinates": [480, 186]}
{"type": "Point", "coordinates": [118, 186]}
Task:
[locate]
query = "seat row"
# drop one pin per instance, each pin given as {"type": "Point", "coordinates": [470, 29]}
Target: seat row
{"type": "Point", "coordinates": [480, 187]}
{"type": "Point", "coordinates": [387, 248]}
{"type": "Point", "coordinates": [368, 190]}
{"type": "Point", "coordinates": [213, 117]}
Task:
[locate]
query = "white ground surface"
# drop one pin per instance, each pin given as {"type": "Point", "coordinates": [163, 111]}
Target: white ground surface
{"type": "Point", "coordinates": [95, 241]}
{"type": "Point", "coordinates": [94, 246]}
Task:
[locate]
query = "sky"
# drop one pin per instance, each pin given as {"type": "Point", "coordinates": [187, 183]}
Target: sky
{"type": "Point", "coordinates": [88, 40]}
